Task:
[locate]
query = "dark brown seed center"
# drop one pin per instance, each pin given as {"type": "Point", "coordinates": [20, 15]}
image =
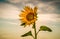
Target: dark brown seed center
{"type": "Point", "coordinates": [30, 16]}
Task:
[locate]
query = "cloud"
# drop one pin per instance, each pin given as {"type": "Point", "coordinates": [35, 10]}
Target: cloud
{"type": "Point", "coordinates": [8, 11]}
{"type": "Point", "coordinates": [57, 6]}
{"type": "Point", "coordinates": [49, 6]}
{"type": "Point", "coordinates": [17, 1]}
{"type": "Point", "coordinates": [49, 18]}
{"type": "Point", "coordinates": [55, 3]}
{"type": "Point", "coordinates": [45, 8]}
{"type": "Point", "coordinates": [48, 0]}
{"type": "Point", "coordinates": [14, 1]}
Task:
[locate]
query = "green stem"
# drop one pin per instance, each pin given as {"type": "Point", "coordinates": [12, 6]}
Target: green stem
{"type": "Point", "coordinates": [35, 31]}
{"type": "Point", "coordinates": [38, 32]}
{"type": "Point", "coordinates": [33, 36]}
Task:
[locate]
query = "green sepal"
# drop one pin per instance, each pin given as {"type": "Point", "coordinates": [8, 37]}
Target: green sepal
{"type": "Point", "coordinates": [33, 26]}
{"type": "Point", "coordinates": [27, 34]}
{"type": "Point", "coordinates": [35, 15]}
{"type": "Point", "coordinates": [23, 24]}
{"type": "Point", "coordinates": [45, 28]}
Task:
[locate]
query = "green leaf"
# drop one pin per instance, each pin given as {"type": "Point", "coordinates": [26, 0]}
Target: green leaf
{"type": "Point", "coordinates": [45, 28]}
{"type": "Point", "coordinates": [27, 34]}
{"type": "Point", "coordinates": [23, 24]}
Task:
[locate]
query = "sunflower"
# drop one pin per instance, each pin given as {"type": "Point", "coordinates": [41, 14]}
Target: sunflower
{"type": "Point", "coordinates": [28, 15]}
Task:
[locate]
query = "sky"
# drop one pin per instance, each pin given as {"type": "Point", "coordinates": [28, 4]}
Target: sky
{"type": "Point", "coordinates": [48, 14]}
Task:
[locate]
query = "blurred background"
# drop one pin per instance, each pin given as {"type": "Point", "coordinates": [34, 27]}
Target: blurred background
{"type": "Point", "coordinates": [48, 14]}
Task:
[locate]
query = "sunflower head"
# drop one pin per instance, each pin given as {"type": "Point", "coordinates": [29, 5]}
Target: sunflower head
{"type": "Point", "coordinates": [28, 15]}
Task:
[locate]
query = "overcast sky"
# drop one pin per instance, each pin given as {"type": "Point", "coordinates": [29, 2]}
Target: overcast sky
{"type": "Point", "coordinates": [48, 14]}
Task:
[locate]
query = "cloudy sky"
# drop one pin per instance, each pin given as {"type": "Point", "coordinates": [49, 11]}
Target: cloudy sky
{"type": "Point", "coordinates": [48, 14]}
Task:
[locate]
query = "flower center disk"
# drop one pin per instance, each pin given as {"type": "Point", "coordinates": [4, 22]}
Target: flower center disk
{"type": "Point", "coordinates": [30, 16]}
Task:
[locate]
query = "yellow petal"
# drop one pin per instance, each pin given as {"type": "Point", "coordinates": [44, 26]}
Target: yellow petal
{"type": "Point", "coordinates": [35, 9]}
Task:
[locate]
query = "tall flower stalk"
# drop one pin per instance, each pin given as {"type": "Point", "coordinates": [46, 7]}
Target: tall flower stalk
{"type": "Point", "coordinates": [28, 16]}
{"type": "Point", "coordinates": [35, 31]}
